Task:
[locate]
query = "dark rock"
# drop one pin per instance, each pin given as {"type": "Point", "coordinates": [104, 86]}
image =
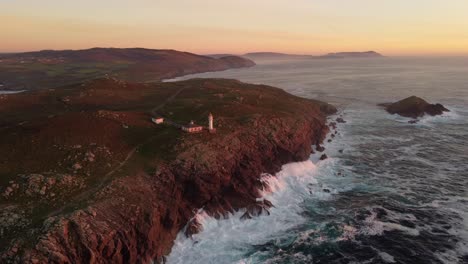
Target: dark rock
{"type": "Point", "coordinates": [324, 157]}
{"type": "Point", "coordinates": [414, 107]}
{"type": "Point", "coordinates": [327, 109]}
{"type": "Point", "coordinates": [340, 151]}
{"type": "Point", "coordinates": [320, 148]}
{"type": "Point", "coordinates": [246, 216]}
{"type": "Point", "coordinates": [326, 190]}
{"type": "Point", "coordinates": [340, 120]}
{"type": "Point", "coordinates": [256, 209]}
{"type": "Point", "coordinates": [413, 121]}
{"type": "Point", "coordinates": [436, 109]}
{"type": "Point", "coordinates": [193, 227]}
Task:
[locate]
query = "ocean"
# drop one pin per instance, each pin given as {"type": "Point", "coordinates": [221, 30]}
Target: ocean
{"type": "Point", "coordinates": [390, 191]}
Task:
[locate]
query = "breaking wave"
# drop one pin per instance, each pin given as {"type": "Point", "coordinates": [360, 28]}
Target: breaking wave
{"type": "Point", "coordinates": [224, 241]}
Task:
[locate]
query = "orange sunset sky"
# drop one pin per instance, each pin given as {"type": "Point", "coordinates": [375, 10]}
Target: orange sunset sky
{"type": "Point", "coordinates": [392, 27]}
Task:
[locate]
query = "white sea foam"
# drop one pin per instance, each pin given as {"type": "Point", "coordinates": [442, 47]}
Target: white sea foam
{"type": "Point", "coordinates": [225, 240]}
{"type": "Point", "coordinates": [375, 227]}
{"type": "Point", "coordinates": [387, 257]}
{"type": "Point", "coordinates": [458, 205]}
{"type": "Point", "coordinates": [446, 117]}
{"type": "Point", "coordinates": [427, 120]}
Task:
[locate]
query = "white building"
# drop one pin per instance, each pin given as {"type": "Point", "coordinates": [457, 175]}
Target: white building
{"type": "Point", "coordinates": [192, 128]}
{"type": "Point", "coordinates": [158, 120]}
{"type": "Point", "coordinates": [210, 122]}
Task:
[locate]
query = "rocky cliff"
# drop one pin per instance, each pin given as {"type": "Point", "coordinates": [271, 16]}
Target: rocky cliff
{"type": "Point", "coordinates": [134, 218]}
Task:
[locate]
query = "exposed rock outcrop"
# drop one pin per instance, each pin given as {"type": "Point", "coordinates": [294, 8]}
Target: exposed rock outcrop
{"type": "Point", "coordinates": [156, 207]}
{"type": "Point", "coordinates": [414, 107]}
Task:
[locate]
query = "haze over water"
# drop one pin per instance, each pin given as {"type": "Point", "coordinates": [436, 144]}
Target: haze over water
{"type": "Point", "coordinates": [396, 194]}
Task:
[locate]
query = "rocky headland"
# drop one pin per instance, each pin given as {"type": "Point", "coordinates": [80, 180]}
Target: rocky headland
{"type": "Point", "coordinates": [337, 55]}
{"type": "Point", "coordinates": [414, 107]}
{"type": "Point", "coordinates": [89, 178]}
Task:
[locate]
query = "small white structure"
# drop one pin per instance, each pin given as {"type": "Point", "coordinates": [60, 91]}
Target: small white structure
{"type": "Point", "coordinates": [210, 122]}
{"type": "Point", "coordinates": [158, 120]}
{"type": "Point", "coordinates": [192, 128]}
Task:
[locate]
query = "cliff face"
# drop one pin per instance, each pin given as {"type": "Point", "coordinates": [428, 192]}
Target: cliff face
{"type": "Point", "coordinates": [136, 217]}
{"type": "Point", "coordinates": [139, 217]}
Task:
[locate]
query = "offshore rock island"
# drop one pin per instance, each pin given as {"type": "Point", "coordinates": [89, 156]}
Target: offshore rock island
{"type": "Point", "coordinates": [414, 107]}
{"type": "Point", "coordinates": [88, 177]}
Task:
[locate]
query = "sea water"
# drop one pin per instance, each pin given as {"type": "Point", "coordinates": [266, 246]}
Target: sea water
{"type": "Point", "coordinates": [390, 192]}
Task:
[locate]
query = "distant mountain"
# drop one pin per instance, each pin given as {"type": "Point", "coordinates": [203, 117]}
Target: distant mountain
{"type": "Point", "coordinates": [217, 56]}
{"type": "Point", "coordinates": [338, 55]}
{"type": "Point", "coordinates": [52, 68]}
{"type": "Point", "coordinates": [275, 55]}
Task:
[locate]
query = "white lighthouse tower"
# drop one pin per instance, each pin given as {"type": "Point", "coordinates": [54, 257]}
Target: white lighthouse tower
{"type": "Point", "coordinates": [210, 123]}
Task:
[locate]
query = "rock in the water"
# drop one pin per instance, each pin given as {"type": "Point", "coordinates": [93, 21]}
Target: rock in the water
{"type": "Point", "coordinates": [414, 107]}
{"type": "Point", "coordinates": [320, 148]}
{"type": "Point", "coordinates": [413, 121]}
{"type": "Point", "coordinates": [257, 209]}
{"type": "Point", "coordinates": [193, 227]}
{"type": "Point", "coordinates": [324, 157]}
{"type": "Point", "coordinates": [340, 120]}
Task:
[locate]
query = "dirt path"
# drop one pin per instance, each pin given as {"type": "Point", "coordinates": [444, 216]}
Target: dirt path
{"type": "Point", "coordinates": [170, 98]}
{"type": "Point", "coordinates": [99, 185]}
{"type": "Point", "coordinates": [82, 196]}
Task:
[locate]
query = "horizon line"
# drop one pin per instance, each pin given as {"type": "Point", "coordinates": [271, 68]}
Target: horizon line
{"type": "Point", "coordinates": [438, 54]}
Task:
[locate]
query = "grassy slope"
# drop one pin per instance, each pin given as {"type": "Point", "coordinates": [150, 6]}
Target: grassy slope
{"type": "Point", "coordinates": [58, 68]}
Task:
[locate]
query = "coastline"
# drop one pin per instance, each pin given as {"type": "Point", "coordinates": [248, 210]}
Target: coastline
{"type": "Point", "coordinates": [10, 92]}
{"type": "Point", "coordinates": [189, 76]}
{"type": "Point", "coordinates": [284, 189]}
{"type": "Point", "coordinates": [137, 217]}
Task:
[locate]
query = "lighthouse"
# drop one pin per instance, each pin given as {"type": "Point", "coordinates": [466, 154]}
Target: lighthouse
{"type": "Point", "coordinates": [210, 123]}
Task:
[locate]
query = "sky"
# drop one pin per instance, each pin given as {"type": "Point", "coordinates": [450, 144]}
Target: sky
{"type": "Point", "coordinates": [392, 27]}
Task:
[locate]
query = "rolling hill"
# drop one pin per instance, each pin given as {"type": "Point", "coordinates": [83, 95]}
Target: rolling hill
{"type": "Point", "coordinates": [55, 68]}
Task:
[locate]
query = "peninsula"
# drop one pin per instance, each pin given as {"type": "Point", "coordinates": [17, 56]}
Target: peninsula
{"type": "Point", "coordinates": [88, 176]}
{"type": "Point", "coordinates": [337, 55]}
{"type": "Point", "coordinates": [56, 68]}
